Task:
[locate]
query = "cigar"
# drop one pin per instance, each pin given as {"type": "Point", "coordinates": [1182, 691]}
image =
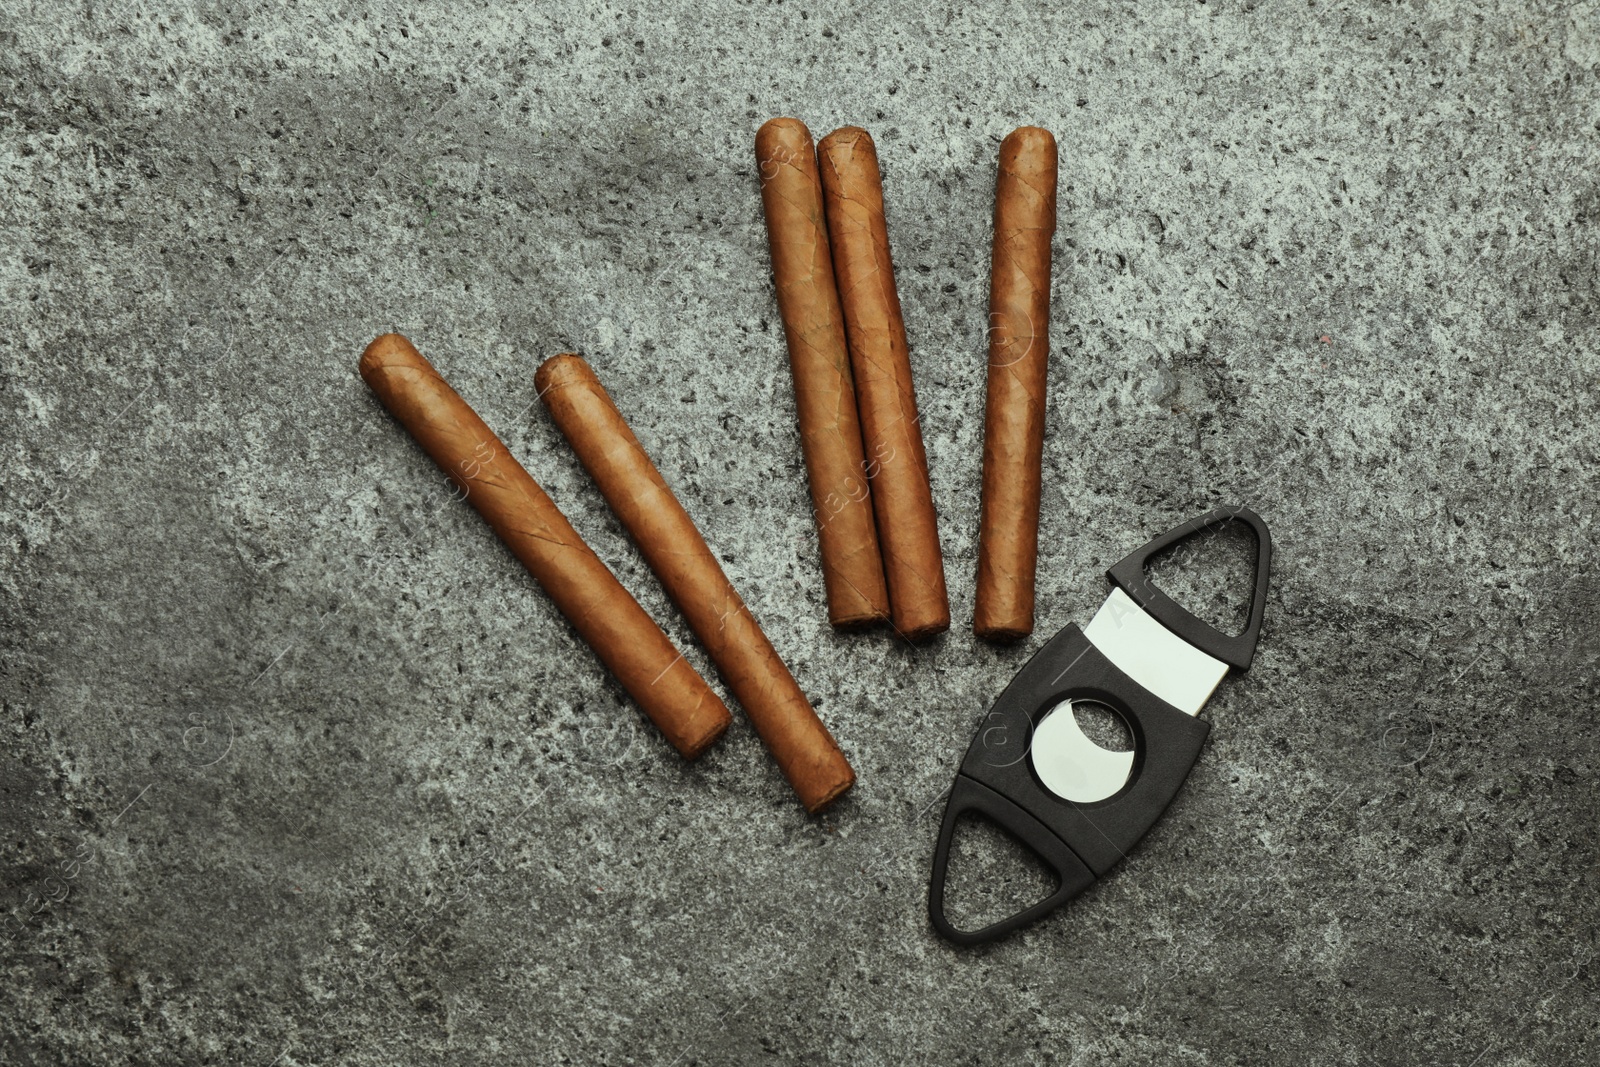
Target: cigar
{"type": "Point", "coordinates": [627, 640]}
{"type": "Point", "coordinates": [1019, 351]}
{"type": "Point", "coordinates": [902, 499]}
{"type": "Point", "coordinates": [830, 432]}
{"type": "Point", "coordinates": [670, 543]}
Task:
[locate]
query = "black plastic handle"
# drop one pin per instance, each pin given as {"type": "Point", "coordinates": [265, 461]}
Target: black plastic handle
{"type": "Point", "coordinates": [1166, 743]}
{"type": "Point", "coordinates": [1079, 841]}
{"type": "Point", "coordinates": [1130, 577]}
{"type": "Point", "coordinates": [1072, 877]}
{"type": "Point", "coordinates": [1083, 841]}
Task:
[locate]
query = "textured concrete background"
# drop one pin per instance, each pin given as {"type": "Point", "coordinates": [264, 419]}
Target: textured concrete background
{"type": "Point", "coordinates": [299, 767]}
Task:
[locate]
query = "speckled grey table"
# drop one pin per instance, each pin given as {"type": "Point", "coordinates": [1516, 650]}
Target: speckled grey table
{"type": "Point", "coordinates": [299, 767]}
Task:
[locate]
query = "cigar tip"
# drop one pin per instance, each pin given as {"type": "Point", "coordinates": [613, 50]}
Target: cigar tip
{"type": "Point", "coordinates": [782, 127]}
{"type": "Point", "coordinates": [863, 621]}
{"type": "Point", "coordinates": [845, 135]}
{"type": "Point", "coordinates": [1002, 635]}
{"type": "Point", "coordinates": [693, 750]}
{"type": "Point", "coordinates": [1029, 148]}
{"type": "Point", "coordinates": [925, 631]}
{"type": "Point", "coordinates": [383, 351]}
{"type": "Point", "coordinates": [561, 369]}
{"type": "Point", "coordinates": [837, 790]}
{"type": "Point", "coordinates": [1031, 134]}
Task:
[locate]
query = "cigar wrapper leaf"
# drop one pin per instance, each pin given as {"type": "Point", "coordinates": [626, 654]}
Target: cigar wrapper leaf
{"type": "Point", "coordinates": [819, 359]}
{"type": "Point", "coordinates": [643, 659]}
{"type": "Point", "coordinates": [689, 571]}
{"type": "Point", "coordinates": [902, 498]}
{"type": "Point", "coordinates": [1014, 409]}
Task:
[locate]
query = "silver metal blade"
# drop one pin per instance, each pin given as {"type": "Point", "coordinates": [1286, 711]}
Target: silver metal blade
{"type": "Point", "coordinates": [1153, 655]}
{"type": "Point", "coordinates": [1071, 765]}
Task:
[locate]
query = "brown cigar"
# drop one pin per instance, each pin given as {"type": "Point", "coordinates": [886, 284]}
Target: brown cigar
{"type": "Point", "coordinates": [627, 640]}
{"type": "Point", "coordinates": [1019, 351]}
{"type": "Point", "coordinates": [830, 433]}
{"type": "Point", "coordinates": [908, 528]}
{"type": "Point", "coordinates": [667, 538]}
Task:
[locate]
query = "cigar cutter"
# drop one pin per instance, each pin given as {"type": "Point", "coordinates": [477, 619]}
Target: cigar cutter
{"type": "Point", "coordinates": [1032, 771]}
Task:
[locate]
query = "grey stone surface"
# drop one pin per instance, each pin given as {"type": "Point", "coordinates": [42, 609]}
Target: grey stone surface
{"type": "Point", "coordinates": [299, 767]}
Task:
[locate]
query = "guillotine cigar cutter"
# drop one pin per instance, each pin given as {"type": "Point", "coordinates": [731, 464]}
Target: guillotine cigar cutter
{"type": "Point", "coordinates": [1033, 772]}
